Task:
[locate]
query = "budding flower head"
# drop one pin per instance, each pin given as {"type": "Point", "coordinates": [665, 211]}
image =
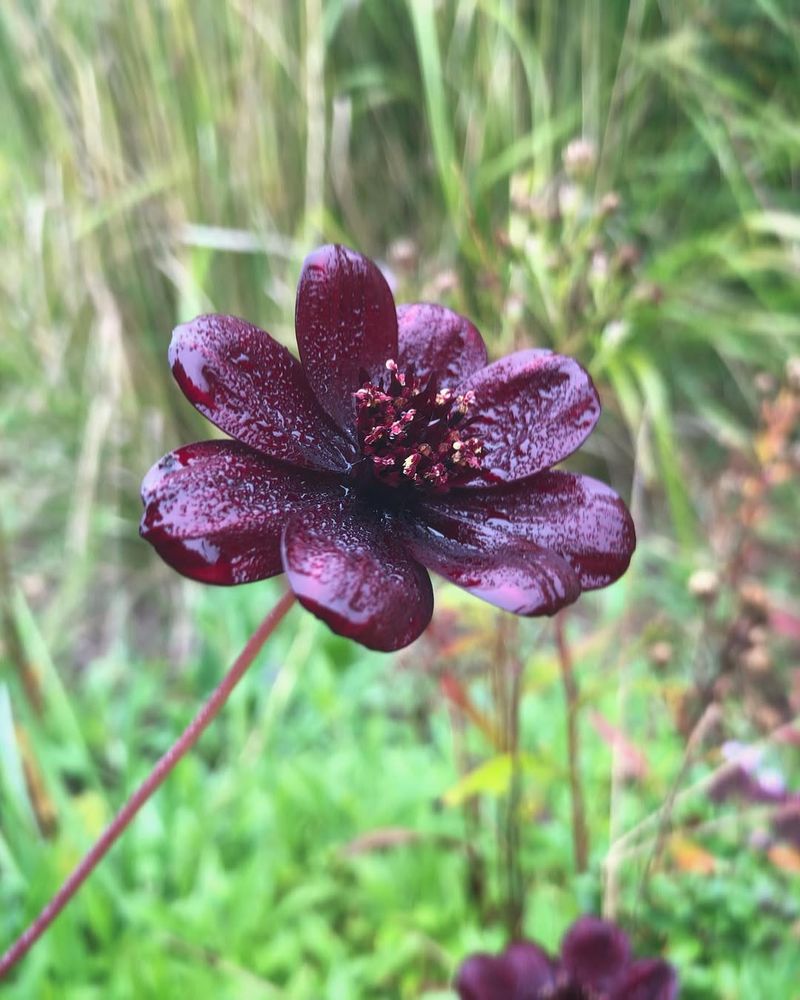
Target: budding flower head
{"type": "Point", "coordinates": [764, 383]}
{"type": "Point", "coordinates": [704, 585]}
{"type": "Point", "coordinates": [660, 653]}
{"type": "Point", "coordinates": [580, 157]}
{"type": "Point", "coordinates": [403, 253]}
{"type": "Point", "coordinates": [609, 203]}
{"type": "Point", "coordinates": [627, 257]}
{"type": "Point", "coordinates": [757, 660]}
{"type": "Point", "coordinates": [754, 599]}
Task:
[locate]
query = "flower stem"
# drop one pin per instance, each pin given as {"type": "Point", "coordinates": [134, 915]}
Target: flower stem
{"type": "Point", "coordinates": [162, 769]}
{"type": "Point", "coordinates": [580, 833]}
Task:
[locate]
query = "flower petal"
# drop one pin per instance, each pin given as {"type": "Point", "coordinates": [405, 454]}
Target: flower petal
{"type": "Point", "coordinates": [648, 979]}
{"type": "Point", "coordinates": [595, 953]}
{"type": "Point", "coordinates": [433, 338]}
{"type": "Point", "coordinates": [346, 322]}
{"type": "Point", "coordinates": [534, 970]}
{"type": "Point", "coordinates": [350, 571]}
{"type": "Point", "coordinates": [485, 977]}
{"type": "Point", "coordinates": [520, 577]}
{"type": "Point", "coordinates": [214, 510]}
{"type": "Point", "coordinates": [255, 390]}
{"type": "Point", "coordinates": [578, 517]}
{"type": "Point", "coordinates": [531, 410]}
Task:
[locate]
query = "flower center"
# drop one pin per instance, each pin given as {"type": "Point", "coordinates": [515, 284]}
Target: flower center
{"type": "Point", "coordinates": [412, 432]}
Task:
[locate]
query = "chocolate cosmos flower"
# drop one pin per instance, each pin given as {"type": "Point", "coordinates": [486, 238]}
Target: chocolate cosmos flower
{"type": "Point", "coordinates": [595, 964]}
{"type": "Point", "coordinates": [389, 449]}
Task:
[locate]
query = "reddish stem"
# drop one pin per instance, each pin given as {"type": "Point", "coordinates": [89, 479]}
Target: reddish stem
{"type": "Point", "coordinates": [116, 828]}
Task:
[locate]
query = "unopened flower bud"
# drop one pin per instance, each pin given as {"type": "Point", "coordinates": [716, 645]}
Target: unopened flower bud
{"type": "Point", "coordinates": [764, 383]}
{"type": "Point", "coordinates": [704, 585]}
{"type": "Point", "coordinates": [754, 599]}
{"type": "Point", "coordinates": [660, 653]}
{"type": "Point", "coordinates": [403, 254]}
{"type": "Point", "coordinates": [756, 660]}
{"type": "Point", "coordinates": [580, 157]}
{"type": "Point", "coordinates": [615, 332]}
{"type": "Point", "coordinates": [627, 257]}
{"type": "Point", "coordinates": [609, 204]}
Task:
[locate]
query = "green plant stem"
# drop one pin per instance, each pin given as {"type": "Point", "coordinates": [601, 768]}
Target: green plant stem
{"type": "Point", "coordinates": [152, 782]}
{"type": "Point", "coordinates": [580, 834]}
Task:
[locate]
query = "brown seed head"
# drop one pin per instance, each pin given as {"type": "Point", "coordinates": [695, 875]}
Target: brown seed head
{"type": "Point", "coordinates": [757, 660]}
{"type": "Point", "coordinates": [754, 599]}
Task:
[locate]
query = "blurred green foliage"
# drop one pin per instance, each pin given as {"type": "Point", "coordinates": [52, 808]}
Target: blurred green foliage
{"type": "Point", "coordinates": [167, 157]}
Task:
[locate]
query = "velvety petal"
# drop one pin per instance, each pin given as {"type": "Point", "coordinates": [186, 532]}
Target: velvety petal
{"type": "Point", "coordinates": [569, 990]}
{"type": "Point", "coordinates": [531, 410]}
{"type": "Point", "coordinates": [648, 979]}
{"type": "Point", "coordinates": [522, 578]}
{"type": "Point", "coordinates": [349, 569]}
{"type": "Point", "coordinates": [346, 322]}
{"type": "Point", "coordinates": [215, 510]}
{"type": "Point", "coordinates": [433, 338]}
{"type": "Point", "coordinates": [485, 977]}
{"type": "Point", "coordinates": [533, 969]}
{"type": "Point", "coordinates": [255, 390]}
{"type": "Point", "coordinates": [578, 517]}
{"type": "Point", "coordinates": [595, 953]}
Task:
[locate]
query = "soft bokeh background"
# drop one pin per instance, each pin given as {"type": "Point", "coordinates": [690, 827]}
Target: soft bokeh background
{"type": "Point", "coordinates": [355, 824]}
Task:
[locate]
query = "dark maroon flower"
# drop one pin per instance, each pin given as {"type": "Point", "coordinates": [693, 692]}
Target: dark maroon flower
{"type": "Point", "coordinates": [747, 777]}
{"type": "Point", "coordinates": [595, 964]}
{"type": "Point", "coordinates": [737, 782]}
{"type": "Point", "coordinates": [389, 449]}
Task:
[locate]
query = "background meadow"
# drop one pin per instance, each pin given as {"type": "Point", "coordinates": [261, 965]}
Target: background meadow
{"type": "Point", "coordinates": [354, 824]}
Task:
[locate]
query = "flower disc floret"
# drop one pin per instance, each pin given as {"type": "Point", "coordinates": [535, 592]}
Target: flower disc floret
{"type": "Point", "coordinates": [413, 433]}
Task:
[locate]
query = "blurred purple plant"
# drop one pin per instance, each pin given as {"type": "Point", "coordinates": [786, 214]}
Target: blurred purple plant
{"type": "Point", "coordinates": [389, 449]}
{"type": "Point", "coordinates": [595, 963]}
{"type": "Point", "coordinates": [786, 823]}
{"type": "Point", "coordinates": [746, 777]}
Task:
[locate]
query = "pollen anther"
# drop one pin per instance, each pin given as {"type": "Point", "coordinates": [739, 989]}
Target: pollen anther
{"type": "Point", "coordinates": [413, 432]}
